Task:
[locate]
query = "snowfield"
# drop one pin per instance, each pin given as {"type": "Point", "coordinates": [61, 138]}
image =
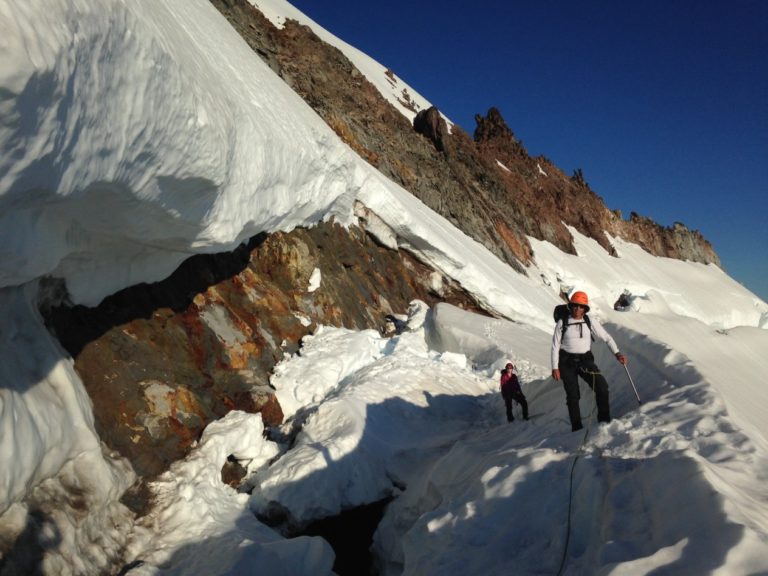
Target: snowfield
{"type": "Point", "coordinates": [136, 134]}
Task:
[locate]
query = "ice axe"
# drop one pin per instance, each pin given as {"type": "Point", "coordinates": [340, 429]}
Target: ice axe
{"type": "Point", "coordinates": [633, 384]}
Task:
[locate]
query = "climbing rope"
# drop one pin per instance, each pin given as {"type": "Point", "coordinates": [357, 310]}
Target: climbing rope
{"type": "Point", "coordinates": [579, 453]}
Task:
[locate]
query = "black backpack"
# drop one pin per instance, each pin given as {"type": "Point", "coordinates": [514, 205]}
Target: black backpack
{"type": "Point", "coordinates": [561, 312]}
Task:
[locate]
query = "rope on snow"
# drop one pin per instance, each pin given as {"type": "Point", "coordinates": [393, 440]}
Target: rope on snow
{"type": "Point", "coordinates": [579, 453]}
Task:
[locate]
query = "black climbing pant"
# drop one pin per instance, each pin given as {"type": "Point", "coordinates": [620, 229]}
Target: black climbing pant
{"type": "Point", "coordinates": [520, 399]}
{"type": "Point", "coordinates": [571, 367]}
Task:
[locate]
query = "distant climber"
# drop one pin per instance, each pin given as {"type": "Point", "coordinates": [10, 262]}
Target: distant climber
{"type": "Point", "coordinates": [572, 357]}
{"type": "Point", "coordinates": [510, 390]}
{"type": "Point", "coordinates": [393, 325]}
{"type": "Point", "coordinates": [623, 303]}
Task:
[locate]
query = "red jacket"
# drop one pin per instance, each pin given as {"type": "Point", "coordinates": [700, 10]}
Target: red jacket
{"type": "Point", "coordinates": [509, 383]}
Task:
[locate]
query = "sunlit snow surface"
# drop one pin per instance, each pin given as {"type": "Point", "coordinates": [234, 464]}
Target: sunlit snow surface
{"type": "Point", "coordinates": [134, 134]}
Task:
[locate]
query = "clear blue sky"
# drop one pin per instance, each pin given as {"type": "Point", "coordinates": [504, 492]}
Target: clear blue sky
{"type": "Point", "coordinates": [662, 104]}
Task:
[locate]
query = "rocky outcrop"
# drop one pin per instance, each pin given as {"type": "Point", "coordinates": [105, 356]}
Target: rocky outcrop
{"type": "Point", "coordinates": [676, 241]}
{"type": "Point", "coordinates": [547, 199]}
{"type": "Point", "coordinates": [488, 187]}
{"type": "Point", "coordinates": [496, 139]}
{"type": "Point", "coordinates": [160, 361]}
{"type": "Point", "coordinates": [431, 124]}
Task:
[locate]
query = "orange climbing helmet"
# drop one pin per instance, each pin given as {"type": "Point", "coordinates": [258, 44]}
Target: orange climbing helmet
{"type": "Point", "coordinates": [580, 298]}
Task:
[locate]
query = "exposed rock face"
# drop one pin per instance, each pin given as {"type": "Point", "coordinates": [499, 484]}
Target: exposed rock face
{"type": "Point", "coordinates": [454, 182]}
{"type": "Point", "coordinates": [161, 361]}
{"type": "Point", "coordinates": [430, 124]}
{"type": "Point", "coordinates": [547, 197]}
{"type": "Point", "coordinates": [490, 187]}
{"type": "Point", "coordinates": [676, 241]}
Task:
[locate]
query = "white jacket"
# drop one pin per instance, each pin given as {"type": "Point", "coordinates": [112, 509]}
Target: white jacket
{"type": "Point", "coordinates": [577, 339]}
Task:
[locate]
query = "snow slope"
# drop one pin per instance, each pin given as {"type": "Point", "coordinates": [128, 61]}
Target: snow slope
{"type": "Point", "coordinates": [135, 134]}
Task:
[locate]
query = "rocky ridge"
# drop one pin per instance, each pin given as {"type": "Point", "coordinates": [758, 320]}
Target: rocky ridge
{"type": "Point", "coordinates": [488, 186]}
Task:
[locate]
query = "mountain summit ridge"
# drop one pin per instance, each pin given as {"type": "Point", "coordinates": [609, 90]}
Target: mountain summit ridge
{"type": "Point", "coordinates": [488, 186]}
